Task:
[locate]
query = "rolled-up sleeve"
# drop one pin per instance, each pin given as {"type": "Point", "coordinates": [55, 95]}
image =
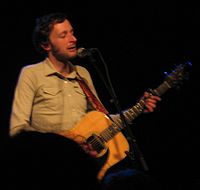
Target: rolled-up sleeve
{"type": "Point", "coordinates": [22, 102]}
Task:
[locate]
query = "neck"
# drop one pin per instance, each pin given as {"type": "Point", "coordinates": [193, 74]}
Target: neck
{"type": "Point", "coordinates": [63, 68]}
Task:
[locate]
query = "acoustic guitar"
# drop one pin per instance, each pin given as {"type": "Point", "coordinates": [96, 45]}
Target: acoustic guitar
{"type": "Point", "coordinates": [104, 134]}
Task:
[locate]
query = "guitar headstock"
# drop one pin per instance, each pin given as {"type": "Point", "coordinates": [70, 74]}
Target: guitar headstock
{"type": "Point", "coordinates": [178, 75]}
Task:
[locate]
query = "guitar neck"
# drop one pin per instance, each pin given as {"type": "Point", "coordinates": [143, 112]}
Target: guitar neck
{"type": "Point", "coordinates": [132, 113]}
{"type": "Point", "coordinates": [160, 90]}
{"type": "Point", "coordinates": [137, 109]}
{"type": "Point", "coordinates": [172, 80]}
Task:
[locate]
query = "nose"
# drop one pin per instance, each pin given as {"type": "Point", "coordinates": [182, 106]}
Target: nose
{"type": "Point", "coordinates": [73, 38]}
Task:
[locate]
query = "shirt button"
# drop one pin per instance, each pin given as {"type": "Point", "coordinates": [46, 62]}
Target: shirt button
{"type": "Point", "coordinates": [65, 82]}
{"type": "Point", "coordinates": [69, 95]}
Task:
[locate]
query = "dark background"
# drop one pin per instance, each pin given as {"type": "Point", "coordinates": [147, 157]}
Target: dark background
{"type": "Point", "coordinates": [139, 41]}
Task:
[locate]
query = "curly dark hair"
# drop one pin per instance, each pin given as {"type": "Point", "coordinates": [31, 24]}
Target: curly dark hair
{"type": "Point", "coordinates": [43, 29]}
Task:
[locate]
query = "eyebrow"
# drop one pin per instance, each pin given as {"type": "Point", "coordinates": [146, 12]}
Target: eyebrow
{"type": "Point", "coordinates": [65, 32]}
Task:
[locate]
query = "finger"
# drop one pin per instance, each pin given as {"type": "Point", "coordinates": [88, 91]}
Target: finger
{"type": "Point", "coordinates": [155, 98]}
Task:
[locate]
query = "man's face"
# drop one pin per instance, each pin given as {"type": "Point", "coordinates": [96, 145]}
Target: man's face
{"type": "Point", "coordinates": [62, 42]}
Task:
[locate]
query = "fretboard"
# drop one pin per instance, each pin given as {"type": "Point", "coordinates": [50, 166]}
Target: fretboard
{"type": "Point", "coordinates": [131, 113]}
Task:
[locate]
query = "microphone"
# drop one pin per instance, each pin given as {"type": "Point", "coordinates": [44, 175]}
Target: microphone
{"type": "Point", "coordinates": [82, 52]}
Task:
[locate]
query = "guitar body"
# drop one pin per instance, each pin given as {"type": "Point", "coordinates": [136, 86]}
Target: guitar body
{"type": "Point", "coordinates": [94, 123]}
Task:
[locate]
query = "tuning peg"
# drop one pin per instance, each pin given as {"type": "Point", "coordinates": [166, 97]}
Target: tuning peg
{"type": "Point", "coordinates": [166, 73]}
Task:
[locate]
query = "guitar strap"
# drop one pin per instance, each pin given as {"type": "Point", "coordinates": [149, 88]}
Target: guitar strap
{"type": "Point", "coordinates": [91, 97]}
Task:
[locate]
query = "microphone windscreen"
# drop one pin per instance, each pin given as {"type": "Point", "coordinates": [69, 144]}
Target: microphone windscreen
{"type": "Point", "coordinates": [82, 52]}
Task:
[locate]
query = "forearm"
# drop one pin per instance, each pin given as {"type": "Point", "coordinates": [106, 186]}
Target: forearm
{"type": "Point", "coordinates": [14, 130]}
{"type": "Point", "coordinates": [127, 114]}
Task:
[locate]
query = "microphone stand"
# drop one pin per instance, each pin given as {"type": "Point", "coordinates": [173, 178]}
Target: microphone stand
{"type": "Point", "coordinates": [129, 135]}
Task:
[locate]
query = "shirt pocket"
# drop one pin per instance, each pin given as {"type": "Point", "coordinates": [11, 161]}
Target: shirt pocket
{"type": "Point", "coordinates": [52, 98]}
{"type": "Point", "coordinates": [79, 91]}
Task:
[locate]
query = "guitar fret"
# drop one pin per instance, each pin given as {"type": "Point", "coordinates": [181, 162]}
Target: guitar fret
{"type": "Point", "coordinates": [118, 126]}
{"type": "Point", "coordinates": [128, 116]}
{"type": "Point", "coordinates": [107, 133]}
{"type": "Point", "coordinates": [134, 115]}
{"type": "Point", "coordinates": [118, 121]}
{"type": "Point", "coordinates": [133, 112]}
{"type": "Point", "coordinates": [137, 109]}
{"type": "Point", "coordinates": [161, 89]}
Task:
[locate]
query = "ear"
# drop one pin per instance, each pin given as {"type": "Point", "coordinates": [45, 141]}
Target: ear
{"type": "Point", "coordinates": [46, 46]}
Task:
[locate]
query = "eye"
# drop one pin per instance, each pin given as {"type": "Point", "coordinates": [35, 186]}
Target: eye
{"type": "Point", "coordinates": [62, 35]}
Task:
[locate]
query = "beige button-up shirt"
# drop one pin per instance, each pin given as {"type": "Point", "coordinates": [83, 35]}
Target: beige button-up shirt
{"type": "Point", "coordinates": [45, 101]}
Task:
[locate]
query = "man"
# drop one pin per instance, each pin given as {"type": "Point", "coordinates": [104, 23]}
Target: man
{"type": "Point", "coordinates": [50, 96]}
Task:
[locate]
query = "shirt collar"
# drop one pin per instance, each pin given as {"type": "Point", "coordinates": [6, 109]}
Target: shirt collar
{"type": "Point", "coordinates": [50, 70]}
